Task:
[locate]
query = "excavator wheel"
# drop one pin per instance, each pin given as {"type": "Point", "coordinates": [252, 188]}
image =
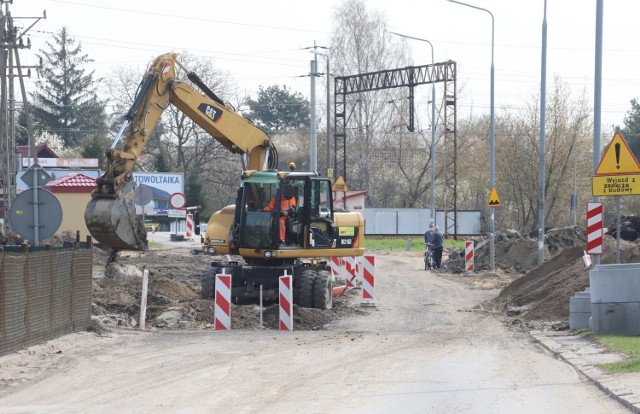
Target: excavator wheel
{"type": "Point", "coordinates": [113, 221]}
{"type": "Point", "coordinates": [208, 282]}
{"type": "Point", "coordinates": [303, 292]}
{"type": "Point", "coordinates": [323, 290]}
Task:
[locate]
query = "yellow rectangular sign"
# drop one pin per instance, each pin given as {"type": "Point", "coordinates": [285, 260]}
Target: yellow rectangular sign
{"type": "Point", "coordinates": [346, 231]}
{"type": "Point", "coordinates": [615, 185]}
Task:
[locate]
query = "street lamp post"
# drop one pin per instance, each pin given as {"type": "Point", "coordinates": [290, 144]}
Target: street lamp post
{"type": "Point", "coordinates": [543, 103]}
{"type": "Point", "coordinates": [492, 136]}
{"type": "Point", "coordinates": [433, 127]}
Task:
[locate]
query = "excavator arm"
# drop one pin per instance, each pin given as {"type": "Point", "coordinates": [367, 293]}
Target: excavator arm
{"type": "Point", "coordinates": [110, 215]}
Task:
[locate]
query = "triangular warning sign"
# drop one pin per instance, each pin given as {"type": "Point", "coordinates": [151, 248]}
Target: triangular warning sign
{"type": "Point", "coordinates": [340, 185]}
{"type": "Point", "coordinates": [494, 200]}
{"type": "Point", "coordinates": [618, 158]}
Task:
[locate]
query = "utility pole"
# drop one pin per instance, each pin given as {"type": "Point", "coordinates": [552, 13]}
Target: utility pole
{"type": "Point", "coordinates": [10, 67]}
{"type": "Point", "coordinates": [313, 130]}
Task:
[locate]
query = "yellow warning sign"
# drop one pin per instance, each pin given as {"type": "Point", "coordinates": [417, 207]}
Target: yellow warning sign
{"type": "Point", "coordinates": [494, 200]}
{"type": "Point", "coordinates": [340, 186]}
{"type": "Point", "coordinates": [618, 158]}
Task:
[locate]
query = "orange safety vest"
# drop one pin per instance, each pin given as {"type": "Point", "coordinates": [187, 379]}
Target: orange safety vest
{"type": "Point", "coordinates": [285, 204]}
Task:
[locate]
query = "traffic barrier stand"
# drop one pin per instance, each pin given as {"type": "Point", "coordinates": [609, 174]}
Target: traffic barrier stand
{"type": "Point", "coordinates": [594, 228]}
{"type": "Point", "coordinates": [222, 309]}
{"type": "Point", "coordinates": [368, 280]}
{"type": "Point", "coordinates": [189, 225]}
{"type": "Point", "coordinates": [285, 302]}
{"type": "Point", "coordinates": [143, 298]}
{"type": "Point", "coordinates": [351, 271]}
{"type": "Point", "coordinates": [335, 264]}
{"type": "Point", "coordinates": [469, 267]}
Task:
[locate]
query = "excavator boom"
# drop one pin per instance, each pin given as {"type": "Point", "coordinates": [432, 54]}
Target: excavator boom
{"type": "Point", "coordinates": [110, 215]}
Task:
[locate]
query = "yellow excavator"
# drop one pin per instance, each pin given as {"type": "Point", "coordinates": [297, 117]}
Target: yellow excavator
{"type": "Point", "coordinates": [282, 222]}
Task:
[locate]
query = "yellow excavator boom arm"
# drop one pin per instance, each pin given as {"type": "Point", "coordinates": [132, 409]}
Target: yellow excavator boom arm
{"type": "Point", "coordinates": [110, 215]}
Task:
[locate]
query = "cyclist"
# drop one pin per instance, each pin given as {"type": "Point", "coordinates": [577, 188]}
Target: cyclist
{"type": "Point", "coordinates": [428, 241]}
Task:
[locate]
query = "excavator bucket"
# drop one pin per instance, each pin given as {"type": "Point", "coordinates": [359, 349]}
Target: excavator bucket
{"type": "Point", "coordinates": [113, 221]}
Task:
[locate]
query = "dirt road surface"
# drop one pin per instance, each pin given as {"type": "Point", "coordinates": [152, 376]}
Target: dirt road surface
{"type": "Point", "coordinates": [422, 349]}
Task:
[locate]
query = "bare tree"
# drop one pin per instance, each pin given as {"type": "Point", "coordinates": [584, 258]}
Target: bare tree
{"type": "Point", "coordinates": [567, 140]}
{"type": "Point", "coordinates": [362, 44]}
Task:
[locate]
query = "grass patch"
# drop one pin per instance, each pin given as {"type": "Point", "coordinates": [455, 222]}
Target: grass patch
{"type": "Point", "coordinates": [628, 345]}
{"type": "Point", "coordinates": [400, 244]}
{"type": "Point", "coordinates": [154, 245]}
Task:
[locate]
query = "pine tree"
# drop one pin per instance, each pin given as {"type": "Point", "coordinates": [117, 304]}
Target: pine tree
{"type": "Point", "coordinates": [65, 101]}
{"type": "Point", "coordinates": [278, 110]}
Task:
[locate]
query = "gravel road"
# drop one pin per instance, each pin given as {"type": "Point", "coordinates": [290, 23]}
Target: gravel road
{"type": "Point", "coordinates": [422, 349]}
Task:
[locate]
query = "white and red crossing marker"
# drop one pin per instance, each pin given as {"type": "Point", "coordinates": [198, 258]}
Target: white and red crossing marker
{"type": "Point", "coordinates": [594, 227]}
{"type": "Point", "coordinates": [189, 225]}
{"type": "Point", "coordinates": [335, 263]}
{"type": "Point", "coordinates": [351, 271]}
{"type": "Point", "coordinates": [368, 277]}
{"type": "Point", "coordinates": [468, 256]}
{"type": "Point", "coordinates": [222, 309]}
{"type": "Point", "coordinates": [285, 302]}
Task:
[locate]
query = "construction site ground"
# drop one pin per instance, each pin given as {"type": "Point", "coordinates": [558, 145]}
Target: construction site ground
{"type": "Point", "coordinates": [436, 342]}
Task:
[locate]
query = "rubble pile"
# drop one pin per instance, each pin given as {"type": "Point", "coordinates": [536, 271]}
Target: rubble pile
{"type": "Point", "coordinates": [629, 228]}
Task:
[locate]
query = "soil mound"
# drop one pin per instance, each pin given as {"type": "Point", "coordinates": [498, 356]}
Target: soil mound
{"type": "Point", "coordinates": [543, 293]}
{"type": "Point", "coordinates": [515, 253]}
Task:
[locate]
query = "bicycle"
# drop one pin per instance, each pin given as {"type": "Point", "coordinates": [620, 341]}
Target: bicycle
{"type": "Point", "coordinates": [428, 257]}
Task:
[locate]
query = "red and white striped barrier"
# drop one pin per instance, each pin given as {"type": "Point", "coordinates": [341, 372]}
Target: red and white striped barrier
{"type": "Point", "coordinates": [368, 277]}
{"type": "Point", "coordinates": [594, 228]}
{"type": "Point", "coordinates": [143, 298]}
{"type": "Point", "coordinates": [189, 225]}
{"type": "Point", "coordinates": [286, 303]}
{"type": "Point", "coordinates": [349, 266]}
{"type": "Point", "coordinates": [335, 264]}
{"type": "Point", "coordinates": [222, 309]}
{"type": "Point", "coordinates": [468, 256]}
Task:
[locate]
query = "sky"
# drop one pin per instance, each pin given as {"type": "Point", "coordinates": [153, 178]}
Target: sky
{"type": "Point", "coordinates": [266, 42]}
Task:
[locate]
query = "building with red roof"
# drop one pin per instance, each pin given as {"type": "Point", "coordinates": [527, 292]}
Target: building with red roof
{"type": "Point", "coordinates": [74, 192]}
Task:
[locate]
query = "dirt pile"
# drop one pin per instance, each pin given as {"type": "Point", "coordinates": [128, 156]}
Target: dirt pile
{"type": "Point", "coordinates": [515, 253]}
{"type": "Point", "coordinates": [173, 300]}
{"type": "Point", "coordinates": [544, 292]}
{"type": "Point", "coordinates": [539, 298]}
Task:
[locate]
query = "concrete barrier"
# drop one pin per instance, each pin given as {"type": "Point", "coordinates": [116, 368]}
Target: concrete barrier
{"type": "Point", "coordinates": [615, 299]}
{"type": "Point", "coordinates": [580, 310]}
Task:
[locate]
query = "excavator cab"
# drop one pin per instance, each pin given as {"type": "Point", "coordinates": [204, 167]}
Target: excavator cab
{"type": "Point", "coordinates": [265, 221]}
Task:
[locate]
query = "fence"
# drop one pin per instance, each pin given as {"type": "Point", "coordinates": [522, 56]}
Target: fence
{"type": "Point", "coordinates": [43, 295]}
{"type": "Point", "coordinates": [415, 221]}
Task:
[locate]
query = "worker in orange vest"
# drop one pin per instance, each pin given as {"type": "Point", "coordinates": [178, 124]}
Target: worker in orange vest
{"type": "Point", "coordinates": [287, 203]}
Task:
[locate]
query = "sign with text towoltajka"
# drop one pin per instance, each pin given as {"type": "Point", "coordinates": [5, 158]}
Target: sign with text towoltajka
{"type": "Point", "coordinates": [615, 185]}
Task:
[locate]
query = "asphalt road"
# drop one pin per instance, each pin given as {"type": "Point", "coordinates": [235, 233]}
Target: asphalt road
{"type": "Point", "coordinates": [422, 349]}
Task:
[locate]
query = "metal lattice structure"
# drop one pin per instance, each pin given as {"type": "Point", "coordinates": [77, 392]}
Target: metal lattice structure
{"type": "Point", "coordinates": [411, 76]}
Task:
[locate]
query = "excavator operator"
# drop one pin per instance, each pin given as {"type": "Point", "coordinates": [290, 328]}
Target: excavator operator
{"type": "Point", "coordinates": [287, 205]}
